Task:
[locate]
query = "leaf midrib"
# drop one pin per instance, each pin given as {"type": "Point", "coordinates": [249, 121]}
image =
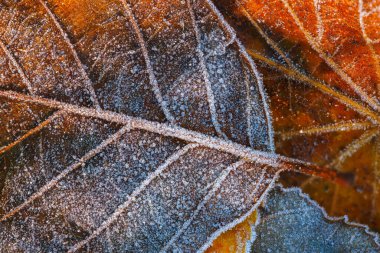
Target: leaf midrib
{"type": "Point", "coordinates": [165, 129]}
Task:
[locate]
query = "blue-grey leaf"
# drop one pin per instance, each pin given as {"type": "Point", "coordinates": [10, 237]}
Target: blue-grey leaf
{"type": "Point", "coordinates": [289, 221]}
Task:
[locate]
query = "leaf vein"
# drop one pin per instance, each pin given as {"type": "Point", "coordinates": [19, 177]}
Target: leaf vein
{"type": "Point", "coordinates": [65, 37]}
{"type": "Point", "coordinates": [298, 76]}
{"type": "Point", "coordinates": [210, 194]}
{"type": "Point", "coordinates": [367, 99]}
{"type": "Point", "coordinates": [210, 93]}
{"type": "Point", "coordinates": [252, 65]}
{"type": "Point", "coordinates": [121, 209]}
{"type": "Point", "coordinates": [32, 131]}
{"type": "Point", "coordinates": [317, 130]}
{"type": "Point", "coordinates": [369, 43]}
{"type": "Point", "coordinates": [272, 159]}
{"type": "Point", "coordinates": [152, 77]}
{"type": "Point", "coordinates": [65, 172]}
{"type": "Point", "coordinates": [19, 69]}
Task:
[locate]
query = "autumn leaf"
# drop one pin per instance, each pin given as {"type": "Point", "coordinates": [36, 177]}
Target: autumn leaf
{"type": "Point", "coordinates": [289, 221]}
{"type": "Point", "coordinates": [129, 126]}
{"type": "Point", "coordinates": [320, 65]}
{"type": "Point", "coordinates": [137, 126]}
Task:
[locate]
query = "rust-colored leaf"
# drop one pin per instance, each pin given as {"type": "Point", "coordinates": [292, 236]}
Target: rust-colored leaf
{"type": "Point", "coordinates": [320, 65]}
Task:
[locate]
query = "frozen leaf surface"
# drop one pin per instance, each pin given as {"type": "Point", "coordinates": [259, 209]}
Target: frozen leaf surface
{"type": "Point", "coordinates": [289, 221]}
{"type": "Point", "coordinates": [166, 61]}
{"type": "Point", "coordinates": [138, 126]}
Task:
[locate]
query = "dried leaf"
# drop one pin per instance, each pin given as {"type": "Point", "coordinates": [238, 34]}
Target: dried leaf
{"type": "Point", "coordinates": [169, 61]}
{"type": "Point", "coordinates": [128, 126]}
{"type": "Point", "coordinates": [289, 221]}
{"type": "Point", "coordinates": [320, 65]}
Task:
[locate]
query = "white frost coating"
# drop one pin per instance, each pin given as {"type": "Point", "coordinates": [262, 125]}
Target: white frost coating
{"type": "Point", "coordinates": [260, 83]}
{"type": "Point", "coordinates": [251, 240]}
{"type": "Point", "coordinates": [272, 159]}
{"type": "Point", "coordinates": [286, 212]}
{"type": "Point", "coordinates": [314, 44]}
{"type": "Point", "coordinates": [21, 72]}
{"type": "Point", "coordinates": [248, 110]}
{"type": "Point", "coordinates": [67, 171]}
{"type": "Point", "coordinates": [320, 27]}
{"type": "Point", "coordinates": [88, 82]}
{"type": "Point", "coordinates": [363, 14]}
{"type": "Point", "coordinates": [373, 10]}
{"type": "Point", "coordinates": [263, 94]}
{"type": "Point", "coordinates": [102, 53]}
{"type": "Point", "coordinates": [183, 77]}
{"type": "Point", "coordinates": [342, 218]}
{"type": "Point", "coordinates": [231, 41]}
{"type": "Point", "coordinates": [210, 93]}
{"type": "Point", "coordinates": [231, 225]}
{"type": "Point", "coordinates": [152, 77]}
{"type": "Point", "coordinates": [261, 178]}
{"type": "Point", "coordinates": [210, 194]}
{"type": "Point", "coordinates": [133, 195]}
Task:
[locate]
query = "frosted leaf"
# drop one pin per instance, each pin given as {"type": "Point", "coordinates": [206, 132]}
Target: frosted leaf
{"type": "Point", "coordinates": [173, 61]}
{"type": "Point", "coordinates": [289, 221]}
{"type": "Point", "coordinates": [17, 118]}
{"type": "Point", "coordinates": [171, 195]}
{"type": "Point", "coordinates": [127, 126]}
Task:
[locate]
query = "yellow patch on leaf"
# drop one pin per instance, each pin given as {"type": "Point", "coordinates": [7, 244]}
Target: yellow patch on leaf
{"type": "Point", "coordinates": [236, 239]}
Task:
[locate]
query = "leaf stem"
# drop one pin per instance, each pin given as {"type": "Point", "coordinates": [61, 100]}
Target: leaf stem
{"type": "Point", "coordinates": [325, 173]}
